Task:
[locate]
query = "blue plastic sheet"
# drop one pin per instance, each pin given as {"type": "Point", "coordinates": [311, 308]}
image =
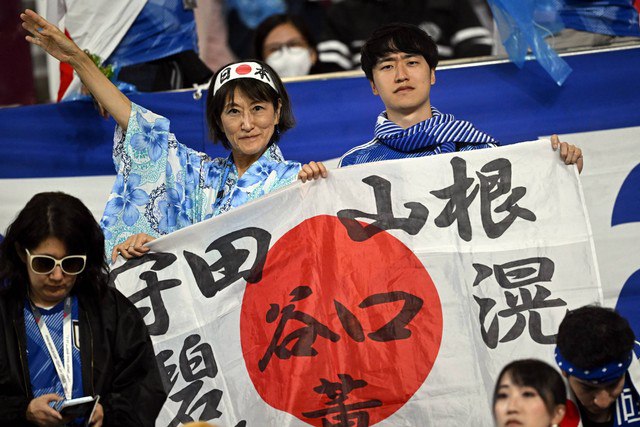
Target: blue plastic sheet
{"type": "Point", "coordinates": [523, 25]}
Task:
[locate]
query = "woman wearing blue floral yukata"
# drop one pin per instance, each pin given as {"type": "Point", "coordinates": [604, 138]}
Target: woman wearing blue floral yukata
{"type": "Point", "coordinates": [162, 185]}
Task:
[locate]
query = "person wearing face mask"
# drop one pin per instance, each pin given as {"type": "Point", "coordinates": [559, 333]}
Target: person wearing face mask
{"type": "Point", "coordinates": [287, 45]}
{"type": "Point", "coordinates": [529, 393]}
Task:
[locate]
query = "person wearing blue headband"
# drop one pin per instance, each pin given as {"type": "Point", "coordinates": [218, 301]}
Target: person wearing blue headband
{"type": "Point", "coordinates": [595, 353]}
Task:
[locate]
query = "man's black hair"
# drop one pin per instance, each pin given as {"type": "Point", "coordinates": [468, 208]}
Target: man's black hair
{"type": "Point", "coordinates": [395, 38]}
{"type": "Point", "coordinates": [593, 336]}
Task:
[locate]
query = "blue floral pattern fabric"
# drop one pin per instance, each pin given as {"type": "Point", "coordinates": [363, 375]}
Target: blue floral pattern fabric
{"type": "Point", "coordinates": [162, 186]}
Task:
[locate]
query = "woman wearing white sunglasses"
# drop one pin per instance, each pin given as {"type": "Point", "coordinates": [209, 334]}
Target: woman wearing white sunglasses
{"type": "Point", "coordinates": [64, 333]}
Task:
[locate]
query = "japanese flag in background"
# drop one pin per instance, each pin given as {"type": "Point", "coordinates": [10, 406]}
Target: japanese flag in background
{"type": "Point", "coordinates": [390, 293]}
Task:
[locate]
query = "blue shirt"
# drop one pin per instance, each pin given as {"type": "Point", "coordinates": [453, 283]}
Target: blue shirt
{"type": "Point", "coordinates": [42, 372]}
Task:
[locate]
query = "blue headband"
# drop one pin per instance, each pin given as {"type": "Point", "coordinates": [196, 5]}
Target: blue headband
{"type": "Point", "coordinates": [598, 375]}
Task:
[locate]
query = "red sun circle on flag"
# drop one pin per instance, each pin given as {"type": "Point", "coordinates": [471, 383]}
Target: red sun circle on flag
{"type": "Point", "coordinates": [337, 329]}
{"type": "Point", "coordinates": [243, 69]}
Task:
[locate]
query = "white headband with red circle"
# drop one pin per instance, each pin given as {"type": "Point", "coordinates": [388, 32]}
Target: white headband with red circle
{"type": "Point", "coordinates": [243, 70]}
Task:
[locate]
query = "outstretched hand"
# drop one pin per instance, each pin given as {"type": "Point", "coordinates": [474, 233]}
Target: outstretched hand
{"type": "Point", "coordinates": [570, 154]}
{"type": "Point", "coordinates": [48, 37]}
{"type": "Point", "coordinates": [56, 44]}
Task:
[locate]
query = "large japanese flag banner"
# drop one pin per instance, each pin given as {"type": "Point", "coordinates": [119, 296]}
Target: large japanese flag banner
{"type": "Point", "coordinates": [390, 293]}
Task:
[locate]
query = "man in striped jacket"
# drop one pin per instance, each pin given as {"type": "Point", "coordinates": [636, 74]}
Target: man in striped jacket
{"type": "Point", "coordinates": [400, 61]}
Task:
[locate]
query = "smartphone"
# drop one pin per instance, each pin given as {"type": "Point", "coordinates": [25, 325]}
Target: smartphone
{"type": "Point", "coordinates": [76, 408]}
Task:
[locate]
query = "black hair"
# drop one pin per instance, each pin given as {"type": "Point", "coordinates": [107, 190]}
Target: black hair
{"type": "Point", "coordinates": [593, 336]}
{"type": "Point", "coordinates": [540, 376]}
{"type": "Point", "coordinates": [395, 38]}
{"type": "Point", "coordinates": [255, 90]}
{"type": "Point", "coordinates": [66, 218]}
{"type": "Point", "coordinates": [264, 29]}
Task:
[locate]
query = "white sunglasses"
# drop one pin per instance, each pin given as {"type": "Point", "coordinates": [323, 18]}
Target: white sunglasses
{"type": "Point", "coordinates": [45, 264]}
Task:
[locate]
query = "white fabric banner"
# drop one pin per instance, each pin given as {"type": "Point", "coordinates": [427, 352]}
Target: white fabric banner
{"type": "Point", "coordinates": [390, 293]}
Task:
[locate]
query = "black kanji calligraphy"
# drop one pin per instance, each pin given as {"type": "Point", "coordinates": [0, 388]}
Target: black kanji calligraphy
{"type": "Point", "coordinates": [393, 330]}
{"type": "Point", "coordinates": [230, 261]}
{"type": "Point", "coordinates": [339, 413]}
{"type": "Point", "coordinates": [153, 289]}
{"type": "Point", "coordinates": [209, 401]}
{"type": "Point", "coordinates": [511, 276]}
{"type": "Point", "coordinates": [496, 185]}
{"type": "Point", "coordinates": [303, 338]}
{"type": "Point", "coordinates": [495, 182]}
{"type": "Point", "coordinates": [198, 363]}
{"type": "Point", "coordinates": [262, 73]}
{"type": "Point", "coordinates": [225, 75]}
{"type": "Point", "coordinates": [169, 371]}
{"type": "Point", "coordinates": [160, 260]}
{"type": "Point", "coordinates": [457, 208]}
{"type": "Point", "coordinates": [384, 218]}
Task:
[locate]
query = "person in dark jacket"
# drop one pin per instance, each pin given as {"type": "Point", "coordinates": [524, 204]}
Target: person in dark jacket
{"type": "Point", "coordinates": [64, 333]}
{"type": "Point", "coordinates": [400, 62]}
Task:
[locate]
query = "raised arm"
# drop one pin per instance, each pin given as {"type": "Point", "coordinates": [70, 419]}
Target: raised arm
{"type": "Point", "coordinates": [56, 44]}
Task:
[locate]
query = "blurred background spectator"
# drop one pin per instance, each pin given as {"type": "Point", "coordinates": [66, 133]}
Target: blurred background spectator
{"type": "Point", "coordinates": [286, 43]}
{"type": "Point", "coordinates": [152, 44]}
{"type": "Point", "coordinates": [212, 34]}
{"type": "Point", "coordinates": [570, 24]}
{"type": "Point", "coordinates": [453, 24]}
{"type": "Point", "coordinates": [590, 23]}
{"type": "Point", "coordinates": [244, 16]}
{"type": "Point", "coordinates": [157, 42]}
{"type": "Point", "coordinates": [16, 81]}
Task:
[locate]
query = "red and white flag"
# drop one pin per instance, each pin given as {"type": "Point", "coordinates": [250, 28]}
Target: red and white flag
{"type": "Point", "coordinates": [390, 293]}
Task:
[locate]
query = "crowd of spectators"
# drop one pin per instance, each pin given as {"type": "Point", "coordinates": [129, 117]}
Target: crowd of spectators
{"type": "Point", "coordinates": [336, 29]}
{"type": "Point", "coordinates": [52, 260]}
{"type": "Point", "coordinates": [168, 44]}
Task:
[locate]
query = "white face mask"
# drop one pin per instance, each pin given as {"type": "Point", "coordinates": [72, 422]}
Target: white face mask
{"type": "Point", "coordinates": [290, 61]}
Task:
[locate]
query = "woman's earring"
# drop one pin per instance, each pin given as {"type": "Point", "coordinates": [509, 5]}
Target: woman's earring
{"type": "Point", "coordinates": [277, 130]}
